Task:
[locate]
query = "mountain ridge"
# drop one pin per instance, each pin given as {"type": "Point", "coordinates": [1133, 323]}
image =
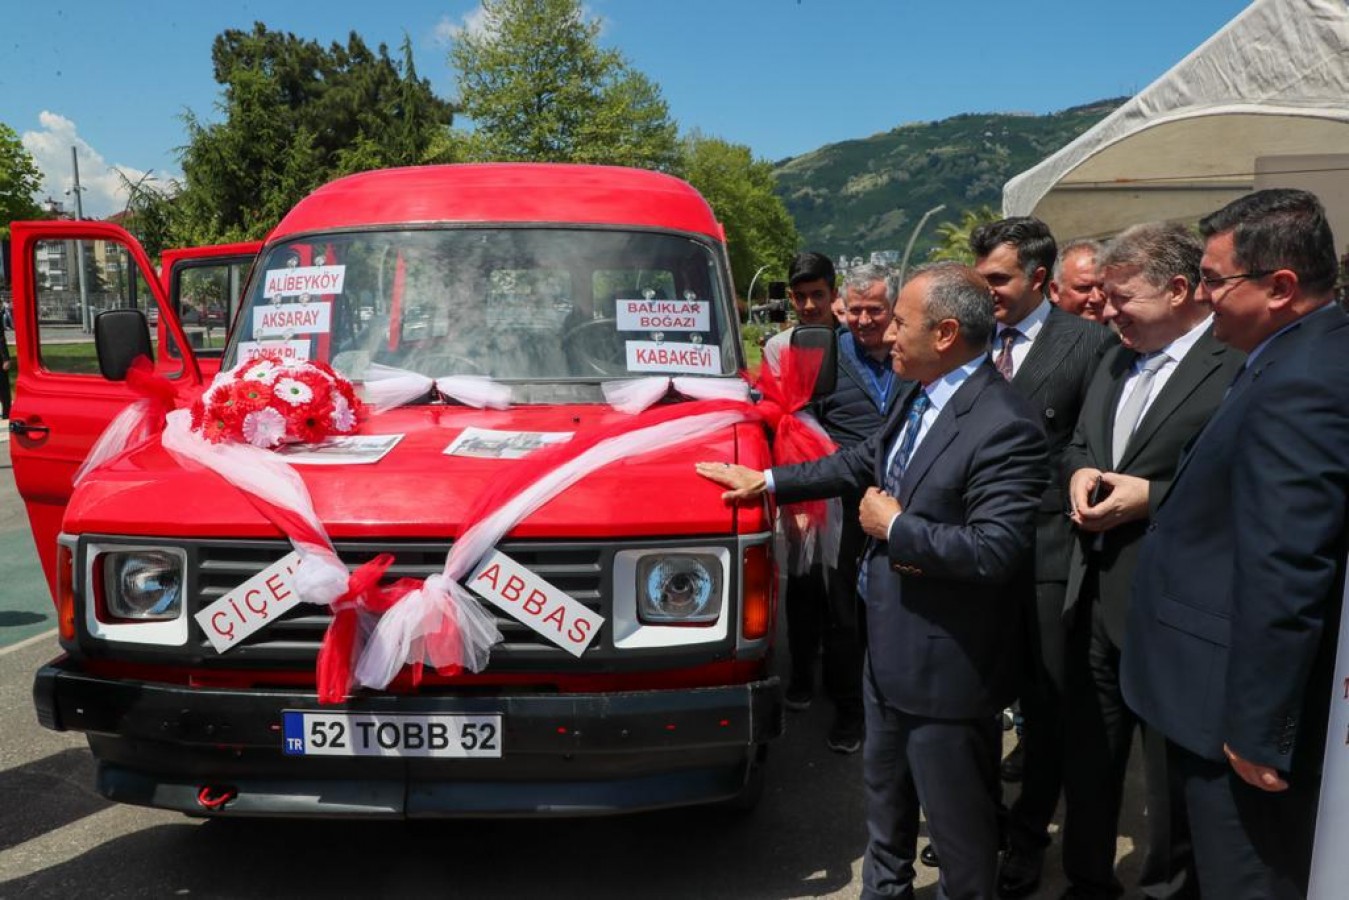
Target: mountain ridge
{"type": "Point", "coordinates": [866, 194]}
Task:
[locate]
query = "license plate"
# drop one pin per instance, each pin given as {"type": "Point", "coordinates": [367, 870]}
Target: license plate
{"type": "Point", "coordinates": [370, 734]}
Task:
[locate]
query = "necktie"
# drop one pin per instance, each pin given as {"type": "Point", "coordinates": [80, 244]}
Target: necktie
{"type": "Point", "coordinates": [894, 473]}
{"type": "Point", "coordinates": [1126, 421]}
{"type": "Point", "coordinates": [913, 423]}
{"type": "Point", "coordinates": [1004, 360]}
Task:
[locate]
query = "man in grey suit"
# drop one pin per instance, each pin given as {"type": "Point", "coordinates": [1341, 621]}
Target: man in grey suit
{"type": "Point", "coordinates": [1149, 397]}
{"type": "Point", "coordinates": [951, 482]}
{"type": "Point", "coordinates": [1048, 355]}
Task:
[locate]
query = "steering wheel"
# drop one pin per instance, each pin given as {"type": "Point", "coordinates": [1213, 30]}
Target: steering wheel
{"type": "Point", "coordinates": [594, 349]}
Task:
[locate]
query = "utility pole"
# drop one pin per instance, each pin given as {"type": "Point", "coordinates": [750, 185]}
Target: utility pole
{"type": "Point", "coordinates": [908, 248]}
{"type": "Point", "coordinates": [86, 315]}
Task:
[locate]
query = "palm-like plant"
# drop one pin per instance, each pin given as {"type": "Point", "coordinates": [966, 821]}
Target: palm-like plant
{"type": "Point", "coordinates": [955, 235]}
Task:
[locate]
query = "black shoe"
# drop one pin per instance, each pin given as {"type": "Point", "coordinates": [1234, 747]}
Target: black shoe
{"type": "Point", "coordinates": [1014, 766]}
{"type": "Point", "coordinates": [798, 696]}
{"type": "Point", "coordinates": [1019, 874]}
{"type": "Point", "coordinates": [928, 856]}
{"type": "Point", "coordinates": [845, 735]}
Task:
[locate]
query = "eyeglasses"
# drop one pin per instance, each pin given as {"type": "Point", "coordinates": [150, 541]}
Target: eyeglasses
{"type": "Point", "coordinates": [1213, 282]}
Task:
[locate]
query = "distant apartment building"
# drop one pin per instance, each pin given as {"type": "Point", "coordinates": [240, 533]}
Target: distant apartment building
{"type": "Point", "coordinates": [876, 258]}
{"type": "Point", "coordinates": [55, 265]}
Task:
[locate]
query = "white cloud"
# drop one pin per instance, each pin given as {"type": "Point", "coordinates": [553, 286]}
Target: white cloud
{"type": "Point", "coordinates": [447, 31]}
{"type": "Point", "coordinates": [104, 193]}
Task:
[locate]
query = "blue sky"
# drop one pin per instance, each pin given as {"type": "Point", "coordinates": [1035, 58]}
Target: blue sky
{"type": "Point", "coordinates": [782, 76]}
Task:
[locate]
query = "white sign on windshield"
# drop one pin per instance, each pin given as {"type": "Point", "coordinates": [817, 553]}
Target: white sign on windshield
{"type": "Point", "coordinates": [290, 351]}
{"type": "Point", "coordinates": [651, 356]}
{"type": "Point", "coordinates": [291, 319]}
{"type": "Point", "coordinates": [311, 280]}
{"type": "Point", "coordinates": [663, 315]}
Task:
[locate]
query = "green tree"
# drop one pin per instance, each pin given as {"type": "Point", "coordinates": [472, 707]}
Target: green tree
{"type": "Point", "coordinates": [955, 235]}
{"type": "Point", "coordinates": [740, 189]}
{"type": "Point", "coordinates": [296, 115]}
{"type": "Point", "coordinates": [538, 87]}
{"type": "Point", "coordinates": [19, 181]}
{"type": "Point", "coordinates": [150, 213]}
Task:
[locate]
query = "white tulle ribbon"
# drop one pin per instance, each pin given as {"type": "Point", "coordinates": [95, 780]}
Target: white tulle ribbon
{"type": "Point", "coordinates": [128, 429]}
{"type": "Point", "coordinates": [395, 640]}
{"type": "Point", "coordinates": [385, 387]}
{"type": "Point", "coordinates": [633, 395]}
{"type": "Point", "coordinates": [321, 577]}
{"type": "Point", "coordinates": [814, 544]}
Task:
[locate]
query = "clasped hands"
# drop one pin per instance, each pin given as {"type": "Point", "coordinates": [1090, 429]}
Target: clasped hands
{"type": "Point", "coordinates": [1254, 774]}
{"type": "Point", "coordinates": [1125, 500]}
{"type": "Point", "coordinates": [878, 508]}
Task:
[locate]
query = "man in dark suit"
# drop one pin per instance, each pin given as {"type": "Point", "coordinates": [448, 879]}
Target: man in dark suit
{"type": "Point", "coordinates": [1049, 356]}
{"type": "Point", "coordinates": [1236, 605]}
{"type": "Point", "coordinates": [951, 486]}
{"type": "Point", "coordinates": [1148, 398]}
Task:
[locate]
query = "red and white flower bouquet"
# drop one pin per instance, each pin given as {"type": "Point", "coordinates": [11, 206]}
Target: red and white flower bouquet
{"type": "Point", "coordinates": [268, 401]}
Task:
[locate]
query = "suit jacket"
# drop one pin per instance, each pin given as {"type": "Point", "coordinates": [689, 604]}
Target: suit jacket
{"type": "Point", "coordinates": [938, 610]}
{"type": "Point", "coordinates": [1054, 378]}
{"type": "Point", "coordinates": [1235, 610]}
{"type": "Point", "coordinates": [1175, 416]}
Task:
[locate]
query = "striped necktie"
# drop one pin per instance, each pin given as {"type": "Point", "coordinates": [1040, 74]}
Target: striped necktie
{"type": "Point", "coordinates": [894, 472]}
{"type": "Point", "coordinates": [1004, 361]}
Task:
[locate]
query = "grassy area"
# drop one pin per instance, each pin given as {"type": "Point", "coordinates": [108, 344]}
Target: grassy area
{"type": "Point", "coordinates": [77, 358]}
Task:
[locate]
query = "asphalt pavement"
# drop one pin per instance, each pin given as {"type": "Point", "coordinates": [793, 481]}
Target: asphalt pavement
{"type": "Point", "coordinates": [25, 602]}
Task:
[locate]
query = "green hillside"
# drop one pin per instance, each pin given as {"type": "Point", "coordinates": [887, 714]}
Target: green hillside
{"type": "Point", "coordinates": [858, 196]}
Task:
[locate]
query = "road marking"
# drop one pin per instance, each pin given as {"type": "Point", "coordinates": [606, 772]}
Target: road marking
{"type": "Point", "coordinates": [27, 642]}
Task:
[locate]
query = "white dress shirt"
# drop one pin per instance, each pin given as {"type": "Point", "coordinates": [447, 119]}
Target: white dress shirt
{"type": "Point", "coordinates": [1028, 330]}
{"type": "Point", "coordinates": [939, 393]}
{"type": "Point", "coordinates": [1175, 352]}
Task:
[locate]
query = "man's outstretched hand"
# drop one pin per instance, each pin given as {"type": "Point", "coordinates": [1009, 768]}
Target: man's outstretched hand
{"type": "Point", "coordinates": [744, 483]}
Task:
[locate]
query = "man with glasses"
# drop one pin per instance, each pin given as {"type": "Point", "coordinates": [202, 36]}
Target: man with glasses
{"type": "Point", "coordinates": [1149, 397]}
{"type": "Point", "coordinates": [1231, 632]}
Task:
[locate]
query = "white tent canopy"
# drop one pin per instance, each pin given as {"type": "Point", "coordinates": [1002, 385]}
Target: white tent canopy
{"type": "Point", "coordinates": [1274, 82]}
